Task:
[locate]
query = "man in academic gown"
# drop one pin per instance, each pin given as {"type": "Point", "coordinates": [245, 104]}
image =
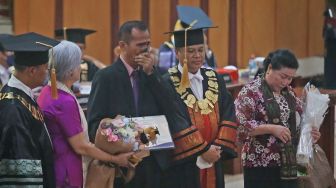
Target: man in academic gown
{"type": "Point", "coordinates": [25, 147]}
{"type": "Point", "coordinates": [125, 88]}
{"type": "Point", "coordinates": [89, 65]}
{"type": "Point", "coordinates": [201, 147]}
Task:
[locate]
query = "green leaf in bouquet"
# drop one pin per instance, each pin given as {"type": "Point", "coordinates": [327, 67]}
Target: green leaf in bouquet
{"type": "Point", "coordinates": [302, 170]}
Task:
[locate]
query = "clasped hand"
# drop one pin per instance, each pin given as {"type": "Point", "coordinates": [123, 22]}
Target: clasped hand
{"type": "Point", "coordinates": [284, 134]}
{"type": "Point", "coordinates": [122, 159]}
{"type": "Point", "coordinates": [213, 154]}
{"type": "Point", "coordinates": [281, 132]}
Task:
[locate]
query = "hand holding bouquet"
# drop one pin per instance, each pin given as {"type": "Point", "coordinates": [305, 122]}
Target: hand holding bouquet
{"type": "Point", "coordinates": [116, 136]}
{"type": "Point", "coordinates": [315, 107]}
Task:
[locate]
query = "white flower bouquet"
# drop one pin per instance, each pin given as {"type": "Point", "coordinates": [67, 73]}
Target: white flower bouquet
{"type": "Point", "coordinates": [314, 110]}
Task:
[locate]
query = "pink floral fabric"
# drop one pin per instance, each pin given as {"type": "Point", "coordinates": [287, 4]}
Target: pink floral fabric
{"type": "Point", "coordinates": [262, 150]}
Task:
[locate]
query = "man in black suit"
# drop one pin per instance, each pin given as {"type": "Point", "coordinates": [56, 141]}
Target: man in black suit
{"type": "Point", "coordinates": [125, 88]}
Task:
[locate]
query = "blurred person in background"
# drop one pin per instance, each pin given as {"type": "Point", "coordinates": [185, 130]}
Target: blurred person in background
{"type": "Point", "coordinates": [4, 66]}
{"type": "Point", "coordinates": [89, 64]}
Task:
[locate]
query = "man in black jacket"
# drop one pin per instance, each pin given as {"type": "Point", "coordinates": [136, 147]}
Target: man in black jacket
{"type": "Point", "coordinates": [125, 88]}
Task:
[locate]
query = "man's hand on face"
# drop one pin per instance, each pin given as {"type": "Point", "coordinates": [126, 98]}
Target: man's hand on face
{"type": "Point", "coordinates": [146, 61]}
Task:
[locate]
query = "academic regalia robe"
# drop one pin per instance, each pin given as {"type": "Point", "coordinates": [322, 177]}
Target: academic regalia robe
{"type": "Point", "coordinates": [112, 95]}
{"type": "Point", "coordinates": [216, 125]}
{"type": "Point", "coordinates": [25, 147]}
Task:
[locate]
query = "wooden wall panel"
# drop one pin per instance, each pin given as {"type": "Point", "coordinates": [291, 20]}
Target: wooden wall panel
{"type": "Point", "coordinates": [256, 29]}
{"type": "Point", "coordinates": [262, 25]}
{"type": "Point", "coordinates": [195, 3]}
{"type": "Point", "coordinates": [218, 37]}
{"type": "Point", "coordinates": [42, 17]}
{"type": "Point", "coordinates": [240, 41]}
{"type": "Point", "coordinates": [34, 16]}
{"type": "Point", "coordinates": [315, 39]}
{"type": "Point", "coordinates": [21, 13]}
{"type": "Point", "coordinates": [92, 15]}
{"type": "Point", "coordinates": [292, 26]}
{"type": "Point", "coordinates": [129, 10]}
{"type": "Point", "coordinates": [159, 18]}
{"type": "Point", "coordinates": [266, 25]}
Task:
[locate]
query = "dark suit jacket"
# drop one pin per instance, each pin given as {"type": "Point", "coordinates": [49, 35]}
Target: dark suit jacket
{"type": "Point", "coordinates": [111, 95]}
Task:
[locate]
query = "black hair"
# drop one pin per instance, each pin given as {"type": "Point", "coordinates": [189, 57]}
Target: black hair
{"type": "Point", "coordinates": [281, 58]}
{"type": "Point", "coordinates": [19, 67]}
{"type": "Point", "coordinates": [125, 31]}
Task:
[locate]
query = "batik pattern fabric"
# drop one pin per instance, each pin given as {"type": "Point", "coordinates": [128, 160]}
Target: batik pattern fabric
{"type": "Point", "coordinates": [262, 150]}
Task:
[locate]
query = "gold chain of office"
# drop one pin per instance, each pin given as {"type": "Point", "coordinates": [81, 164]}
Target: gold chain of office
{"type": "Point", "coordinates": [34, 111]}
{"type": "Point", "coordinates": [205, 105]}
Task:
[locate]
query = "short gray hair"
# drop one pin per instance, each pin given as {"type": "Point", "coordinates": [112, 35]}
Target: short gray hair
{"type": "Point", "coordinates": [67, 57]}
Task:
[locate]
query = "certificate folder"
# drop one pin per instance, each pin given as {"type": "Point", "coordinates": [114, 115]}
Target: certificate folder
{"type": "Point", "coordinates": [164, 139]}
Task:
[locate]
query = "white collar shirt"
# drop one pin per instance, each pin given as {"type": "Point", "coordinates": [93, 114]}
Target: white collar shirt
{"type": "Point", "coordinates": [16, 83]}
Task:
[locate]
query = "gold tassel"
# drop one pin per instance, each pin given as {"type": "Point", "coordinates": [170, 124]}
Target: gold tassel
{"type": "Point", "coordinates": [54, 93]}
{"type": "Point", "coordinates": [185, 83]}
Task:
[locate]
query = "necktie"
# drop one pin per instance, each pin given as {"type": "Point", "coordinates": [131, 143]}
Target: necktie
{"type": "Point", "coordinates": [135, 87]}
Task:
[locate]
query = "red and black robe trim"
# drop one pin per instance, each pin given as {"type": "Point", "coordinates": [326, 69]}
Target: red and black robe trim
{"type": "Point", "coordinates": [227, 135]}
{"type": "Point", "coordinates": [188, 142]}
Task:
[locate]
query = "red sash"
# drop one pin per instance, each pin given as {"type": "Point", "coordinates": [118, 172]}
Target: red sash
{"type": "Point", "coordinates": [208, 126]}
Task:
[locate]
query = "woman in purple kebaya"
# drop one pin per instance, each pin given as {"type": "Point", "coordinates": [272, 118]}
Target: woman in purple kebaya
{"type": "Point", "coordinates": [66, 122]}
